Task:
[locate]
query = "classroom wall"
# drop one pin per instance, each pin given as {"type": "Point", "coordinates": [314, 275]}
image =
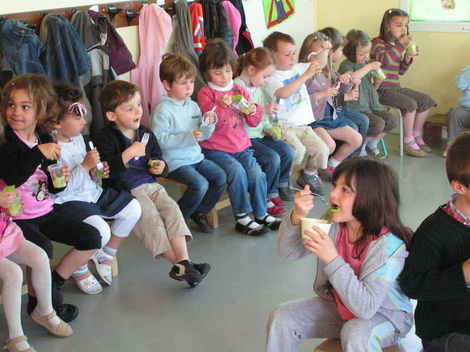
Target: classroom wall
{"type": "Point", "coordinates": [442, 54]}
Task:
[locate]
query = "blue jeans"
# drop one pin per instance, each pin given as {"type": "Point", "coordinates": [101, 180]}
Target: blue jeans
{"type": "Point", "coordinates": [243, 175]}
{"type": "Point", "coordinates": [275, 158]}
{"type": "Point", "coordinates": [206, 182]}
{"type": "Point", "coordinates": [356, 120]}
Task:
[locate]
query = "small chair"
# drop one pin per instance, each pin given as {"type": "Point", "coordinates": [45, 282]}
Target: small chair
{"type": "Point", "coordinates": [384, 147]}
{"type": "Point", "coordinates": [334, 345]}
{"type": "Point", "coordinates": [400, 118]}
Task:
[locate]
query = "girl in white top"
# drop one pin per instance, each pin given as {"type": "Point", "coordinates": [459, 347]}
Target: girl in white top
{"type": "Point", "coordinates": [96, 203]}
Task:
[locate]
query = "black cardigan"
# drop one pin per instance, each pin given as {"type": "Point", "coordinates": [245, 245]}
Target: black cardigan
{"type": "Point", "coordinates": [18, 161]}
{"type": "Point", "coordinates": [111, 143]}
{"type": "Point", "coordinates": [433, 275]}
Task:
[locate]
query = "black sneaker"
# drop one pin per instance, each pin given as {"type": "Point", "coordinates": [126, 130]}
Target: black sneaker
{"type": "Point", "coordinates": [201, 221]}
{"type": "Point", "coordinates": [66, 312]}
{"type": "Point", "coordinates": [316, 186]}
{"type": "Point", "coordinates": [286, 194]}
{"type": "Point", "coordinates": [271, 222]}
{"type": "Point", "coordinates": [185, 270]}
{"type": "Point", "coordinates": [203, 268]}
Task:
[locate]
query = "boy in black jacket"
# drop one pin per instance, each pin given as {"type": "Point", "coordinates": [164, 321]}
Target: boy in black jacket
{"type": "Point", "coordinates": [437, 270]}
{"type": "Point", "coordinates": [134, 163]}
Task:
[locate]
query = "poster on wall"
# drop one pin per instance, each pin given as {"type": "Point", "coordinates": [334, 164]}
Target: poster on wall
{"type": "Point", "coordinates": [277, 11]}
{"type": "Point", "coordinates": [439, 10]}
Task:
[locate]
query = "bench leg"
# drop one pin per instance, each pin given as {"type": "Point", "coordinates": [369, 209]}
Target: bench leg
{"type": "Point", "coordinates": [115, 267]}
{"type": "Point", "coordinates": [213, 218]}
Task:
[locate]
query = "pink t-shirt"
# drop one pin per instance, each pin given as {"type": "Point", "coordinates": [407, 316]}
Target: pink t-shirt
{"type": "Point", "coordinates": [11, 236]}
{"type": "Point", "coordinates": [34, 193]}
{"type": "Point", "coordinates": [230, 135]}
{"type": "Point", "coordinates": [348, 253]}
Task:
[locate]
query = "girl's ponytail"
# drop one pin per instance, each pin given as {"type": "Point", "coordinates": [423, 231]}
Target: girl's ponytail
{"type": "Point", "coordinates": [259, 58]}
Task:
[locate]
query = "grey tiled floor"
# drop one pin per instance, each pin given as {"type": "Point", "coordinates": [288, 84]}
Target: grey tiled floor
{"type": "Point", "coordinates": [146, 311]}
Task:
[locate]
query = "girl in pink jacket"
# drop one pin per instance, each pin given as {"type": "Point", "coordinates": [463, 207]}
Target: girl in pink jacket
{"type": "Point", "coordinates": [229, 145]}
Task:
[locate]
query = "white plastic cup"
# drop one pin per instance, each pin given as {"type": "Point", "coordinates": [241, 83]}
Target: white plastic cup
{"type": "Point", "coordinates": [307, 223]}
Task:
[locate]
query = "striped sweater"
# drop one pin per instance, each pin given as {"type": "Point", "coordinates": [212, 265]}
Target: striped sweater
{"type": "Point", "coordinates": [392, 57]}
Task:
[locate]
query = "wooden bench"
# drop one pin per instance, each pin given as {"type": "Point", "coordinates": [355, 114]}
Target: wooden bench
{"type": "Point", "coordinates": [213, 216]}
{"type": "Point", "coordinates": [115, 270]}
{"type": "Point", "coordinates": [334, 345]}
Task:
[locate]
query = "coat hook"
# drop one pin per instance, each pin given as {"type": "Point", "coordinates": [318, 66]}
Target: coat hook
{"type": "Point", "coordinates": [130, 15]}
{"type": "Point", "coordinates": [113, 11]}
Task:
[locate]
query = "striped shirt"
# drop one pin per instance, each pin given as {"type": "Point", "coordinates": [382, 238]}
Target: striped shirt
{"type": "Point", "coordinates": [392, 57]}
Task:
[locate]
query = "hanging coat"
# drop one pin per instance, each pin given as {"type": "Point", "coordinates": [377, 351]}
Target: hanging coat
{"type": "Point", "coordinates": [182, 41]}
{"type": "Point", "coordinates": [215, 21]}
{"type": "Point", "coordinates": [21, 50]}
{"type": "Point", "coordinates": [93, 35]}
{"type": "Point", "coordinates": [197, 25]}
{"type": "Point", "coordinates": [66, 58]}
{"type": "Point", "coordinates": [235, 20]}
{"type": "Point", "coordinates": [245, 43]}
{"type": "Point", "coordinates": [154, 33]}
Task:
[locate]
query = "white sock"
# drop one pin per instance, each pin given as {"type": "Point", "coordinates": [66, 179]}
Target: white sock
{"type": "Point", "coordinates": [311, 172]}
{"type": "Point", "coordinates": [103, 255]}
{"type": "Point", "coordinates": [332, 162]}
{"type": "Point", "coordinates": [268, 218]}
{"type": "Point", "coordinates": [80, 271]}
{"type": "Point", "coordinates": [245, 221]}
{"type": "Point", "coordinates": [270, 204]}
{"type": "Point", "coordinates": [373, 144]}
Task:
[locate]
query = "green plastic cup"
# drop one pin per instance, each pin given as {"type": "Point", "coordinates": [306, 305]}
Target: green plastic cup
{"type": "Point", "coordinates": [15, 208]}
{"type": "Point", "coordinates": [276, 131]}
{"type": "Point", "coordinates": [412, 49]}
{"type": "Point", "coordinates": [58, 178]}
{"type": "Point", "coordinates": [379, 74]}
{"type": "Point", "coordinates": [99, 173]}
{"type": "Point", "coordinates": [153, 163]}
{"type": "Point", "coordinates": [241, 103]}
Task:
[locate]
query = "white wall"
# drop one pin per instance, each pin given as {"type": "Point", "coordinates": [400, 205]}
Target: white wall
{"type": "Point", "coordinates": [298, 26]}
{"type": "Point", "coordinates": [9, 7]}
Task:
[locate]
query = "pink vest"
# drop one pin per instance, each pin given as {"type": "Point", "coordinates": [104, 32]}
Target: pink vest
{"type": "Point", "coordinates": [11, 236]}
{"type": "Point", "coordinates": [154, 33]}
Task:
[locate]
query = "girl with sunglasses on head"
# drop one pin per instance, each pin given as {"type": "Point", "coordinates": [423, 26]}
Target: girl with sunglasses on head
{"type": "Point", "coordinates": [96, 204]}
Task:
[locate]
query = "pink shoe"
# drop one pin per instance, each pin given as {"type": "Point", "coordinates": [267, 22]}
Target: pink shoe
{"type": "Point", "coordinates": [329, 170]}
{"type": "Point", "coordinates": [277, 201]}
{"type": "Point", "coordinates": [275, 211]}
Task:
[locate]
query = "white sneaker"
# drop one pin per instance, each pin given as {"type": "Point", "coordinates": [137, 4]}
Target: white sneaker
{"type": "Point", "coordinates": [104, 266]}
{"type": "Point", "coordinates": [88, 284]}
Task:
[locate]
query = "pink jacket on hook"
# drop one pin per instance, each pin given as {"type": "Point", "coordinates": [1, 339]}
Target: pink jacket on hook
{"type": "Point", "coordinates": [235, 20]}
{"type": "Point", "coordinates": [154, 33]}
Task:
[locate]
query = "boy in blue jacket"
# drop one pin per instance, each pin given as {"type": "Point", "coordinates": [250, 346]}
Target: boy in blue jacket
{"type": "Point", "coordinates": [178, 124]}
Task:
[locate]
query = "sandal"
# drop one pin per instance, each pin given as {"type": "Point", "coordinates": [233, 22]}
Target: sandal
{"type": "Point", "coordinates": [61, 330]}
{"type": "Point", "coordinates": [88, 284]}
{"type": "Point", "coordinates": [425, 148]}
{"type": "Point", "coordinates": [104, 268]}
{"type": "Point", "coordinates": [247, 230]}
{"type": "Point", "coordinates": [409, 150]}
{"type": "Point", "coordinates": [10, 345]}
